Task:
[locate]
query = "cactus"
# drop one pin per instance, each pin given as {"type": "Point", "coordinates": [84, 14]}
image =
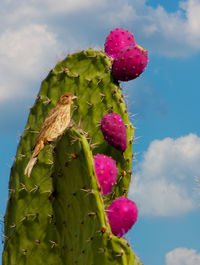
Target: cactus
{"type": "Point", "coordinates": [58, 215]}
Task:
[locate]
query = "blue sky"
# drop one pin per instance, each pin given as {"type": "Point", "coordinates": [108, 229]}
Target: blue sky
{"type": "Point", "coordinates": [34, 35]}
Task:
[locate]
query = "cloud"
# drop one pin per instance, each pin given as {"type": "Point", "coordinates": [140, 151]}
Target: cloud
{"type": "Point", "coordinates": [164, 180]}
{"type": "Point", "coordinates": [30, 46]}
{"type": "Point", "coordinates": [182, 256]}
{"type": "Point", "coordinates": [192, 9]}
{"type": "Point", "coordinates": [34, 35]}
{"type": "Point", "coordinates": [170, 34]}
{"type": "Point", "coordinates": [63, 6]}
{"type": "Point", "coordinates": [24, 54]}
{"type": "Point", "coordinates": [48, 8]}
{"type": "Point", "coordinates": [26, 45]}
{"type": "Point", "coordinates": [117, 16]}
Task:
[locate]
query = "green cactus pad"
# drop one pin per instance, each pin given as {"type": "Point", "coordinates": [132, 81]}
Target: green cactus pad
{"type": "Point", "coordinates": [85, 235]}
{"type": "Point", "coordinates": [31, 232]}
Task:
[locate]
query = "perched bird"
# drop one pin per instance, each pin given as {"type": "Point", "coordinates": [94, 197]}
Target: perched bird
{"type": "Point", "coordinates": [54, 125]}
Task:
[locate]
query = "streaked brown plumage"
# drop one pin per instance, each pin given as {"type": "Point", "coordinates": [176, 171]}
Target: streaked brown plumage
{"type": "Point", "coordinates": [54, 125]}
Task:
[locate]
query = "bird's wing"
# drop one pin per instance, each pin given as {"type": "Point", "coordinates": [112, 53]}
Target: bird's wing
{"type": "Point", "coordinates": [52, 113]}
{"type": "Point", "coordinates": [50, 119]}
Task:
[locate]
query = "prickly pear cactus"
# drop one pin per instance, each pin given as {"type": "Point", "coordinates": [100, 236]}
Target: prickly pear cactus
{"type": "Point", "coordinates": [58, 215]}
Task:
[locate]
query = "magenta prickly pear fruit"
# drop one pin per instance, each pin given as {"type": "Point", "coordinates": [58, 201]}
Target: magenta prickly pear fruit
{"type": "Point", "coordinates": [122, 214]}
{"type": "Point", "coordinates": [106, 171]}
{"type": "Point", "coordinates": [118, 39]}
{"type": "Point", "coordinates": [114, 131]}
{"type": "Point", "coordinates": [130, 63]}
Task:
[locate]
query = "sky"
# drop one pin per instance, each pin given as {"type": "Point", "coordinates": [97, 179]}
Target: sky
{"type": "Point", "coordinates": [163, 103]}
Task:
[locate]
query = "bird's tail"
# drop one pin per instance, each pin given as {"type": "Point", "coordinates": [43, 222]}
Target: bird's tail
{"type": "Point", "coordinates": [30, 166]}
{"type": "Point", "coordinates": [37, 149]}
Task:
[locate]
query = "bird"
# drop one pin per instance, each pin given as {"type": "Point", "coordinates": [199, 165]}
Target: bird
{"type": "Point", "coordinates": [54, 125]}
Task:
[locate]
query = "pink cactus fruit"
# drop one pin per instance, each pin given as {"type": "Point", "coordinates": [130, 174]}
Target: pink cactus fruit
{"type": "Point", "coordinates": [106, 171]}
{"type": "Point", "coordinates": [118, 39]}
{"type": "Point", "coordinates": [114, 131]}
{"type": "Point", "coordinates": [130, 63]}
{"type": "Point", "coordinates": [122, 214]}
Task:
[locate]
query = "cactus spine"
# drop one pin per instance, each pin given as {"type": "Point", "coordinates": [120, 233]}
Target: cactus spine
{"type": "Point", "coordinates": [57, 216]}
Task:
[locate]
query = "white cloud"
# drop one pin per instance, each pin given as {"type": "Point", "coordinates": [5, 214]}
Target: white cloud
{"type": "Point", "coordinates": [116, 16]}
{"type": "Point", "coordinates": [170, 34]}
{"type": "Point", "coordinates": [164, 181]}
{"type": "Point", "coordinates": [30, 46]}
{"type": "Point", "coordinates": [70, 5]}
{"type": "Point", "coordinates": [192, 8]}
{"type": "Point", "coordinates": [34, 33]}
{"type": "Point", "coordinates": [47, 8]}
{"type": "Point", "coordinates": [182, 256]}
{"type": "Point", "coordinates": [26, 46]}
{"type": "Point", "coordinates": [24, 54]}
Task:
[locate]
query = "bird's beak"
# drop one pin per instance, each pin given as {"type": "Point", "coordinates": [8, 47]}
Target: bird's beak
{"type": "Point", "coordinates": [74, 97]}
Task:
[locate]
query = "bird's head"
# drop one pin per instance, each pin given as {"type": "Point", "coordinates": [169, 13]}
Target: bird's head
{"type": "Point", "coordinates": [67, 98]}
